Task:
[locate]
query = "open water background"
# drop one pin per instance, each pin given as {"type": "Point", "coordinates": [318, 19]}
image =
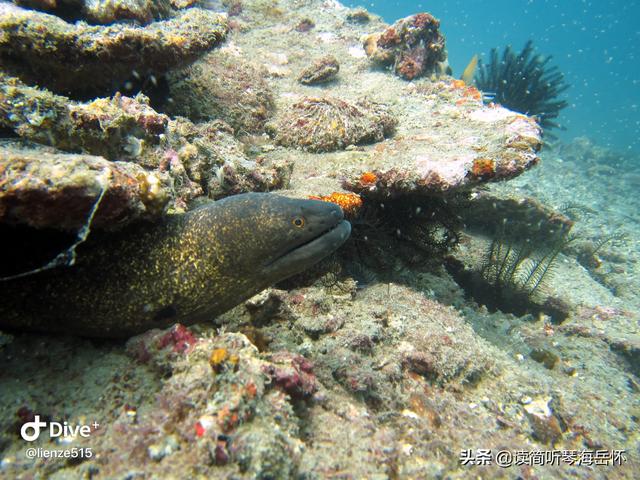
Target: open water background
{"type": "Point", "coordinates": [596, 44]}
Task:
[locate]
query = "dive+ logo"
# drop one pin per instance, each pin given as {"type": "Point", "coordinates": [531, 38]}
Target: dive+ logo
{"type": "Point", "coordinates": [30, 431]}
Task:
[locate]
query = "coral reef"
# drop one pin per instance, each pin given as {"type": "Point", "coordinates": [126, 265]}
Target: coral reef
{"type": "Point", "coordinates": [378, 363]}
{"type": "Point", "coordinates": [321, 71]}
{"type": "Point", "coordinates": [524, 82]}
{"type": "Point", "coordinates": [222, 85]}
{"type": "Point", "coordinates": [324, 124]}
{"type": "Point", "coordinates": [88, 60]}
{"type": "Point", "coordinates": [413, 45]}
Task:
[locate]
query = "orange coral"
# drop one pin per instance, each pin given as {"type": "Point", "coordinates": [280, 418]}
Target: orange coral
{"type": "Point", "coordinates": [472, 92]}
{"type": "Point", "coordinates": [227, 419]}
{"type": "Point", "coordinates": [468, 91]}
{"type": "Point", "coordinates": [217, 358]}
{"type": "Point", "coordinates": [484, 167]}
{"type": "Point", "coordinates": [349, 202]}
{"type": "Point", "coordinates": [368, 178]}
{"type": "Point", "coordinates": [251, 390]}
{"type": "Point", "coordinates": [409, 68]}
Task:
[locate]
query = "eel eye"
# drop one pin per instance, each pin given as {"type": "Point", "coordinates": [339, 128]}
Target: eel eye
{"type": "Point", "coordinates": [298, 222]}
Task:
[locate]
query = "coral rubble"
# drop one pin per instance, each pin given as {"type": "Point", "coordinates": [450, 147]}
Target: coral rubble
{"type": "Point", "coordinates": [413, 45]}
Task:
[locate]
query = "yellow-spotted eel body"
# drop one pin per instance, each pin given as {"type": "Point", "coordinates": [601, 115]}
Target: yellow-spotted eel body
{"type": "Point", "coordinates": [187, 268]}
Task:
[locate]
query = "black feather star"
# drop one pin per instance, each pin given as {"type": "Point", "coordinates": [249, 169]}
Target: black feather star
{"type": "Point", "coordinates": [524, 82]}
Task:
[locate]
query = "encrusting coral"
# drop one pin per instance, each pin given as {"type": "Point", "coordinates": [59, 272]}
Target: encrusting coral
{"type": "Point", "coordinates": [44, 189]}
{"type": "Point", "coordinates": [104, 11]}
{"type": "Point", "coordinates": [116, 128]}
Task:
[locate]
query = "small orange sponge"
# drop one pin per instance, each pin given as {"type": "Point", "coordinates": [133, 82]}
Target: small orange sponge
{"type": "Point", "coordinates": [349, 202]}
{"type": "Point", "coordinates": [368, 178]}
{"type": "Point", "coordinates": [483, 167]}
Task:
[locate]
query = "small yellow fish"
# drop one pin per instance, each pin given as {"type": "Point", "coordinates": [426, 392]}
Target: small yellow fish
{"type": "Point", "coordinates": [470, 71]}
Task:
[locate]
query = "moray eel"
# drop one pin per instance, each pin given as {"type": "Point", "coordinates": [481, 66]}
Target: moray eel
{"type": "Point", "coordinates": [186, 269]}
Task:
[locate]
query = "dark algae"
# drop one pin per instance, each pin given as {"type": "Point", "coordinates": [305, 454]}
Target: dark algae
{"type": "Point", "coordinates": [187, 268]}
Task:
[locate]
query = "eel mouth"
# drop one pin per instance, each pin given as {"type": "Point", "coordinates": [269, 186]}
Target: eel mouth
{"type": "Point", "coordinates": [306, 254]}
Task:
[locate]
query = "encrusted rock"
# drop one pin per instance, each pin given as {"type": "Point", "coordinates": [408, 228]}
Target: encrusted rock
{"type": "Point", "coordinates": [544, 422]}
{"type": "Point", "coordinates": [206, 156]}
{"type": "Point", "coordinates": [141, 11]}
{"type": "Point", "coordinates": [545, 357]}
{"type": "Point", "coordinates": [413, 45]}
{"type": "Point", "coordinates": [321, 71]}
{"type": "Point", "coordinates": [525, 214]}
{"type": "Point", "coordinates": [305, 25]}
{"type": "Point", "coordinates": [323, 124]}
{"type": "Point", "coordinates": [92, 60]}
{"type": "Point", "coordinates": [116, 128]}
{"type": "Point", "coordinates": [203, 159]}
{"type": "Point", "coordinates": [56, 190]}
{"type": "Point", "coordinates": [291, 373]}
{"type": "Point", "coordinates": [103, 11]}
{"type": "Point", "coordinates": [491, 143]}
{"type": "Point", "coordinates": [238, 415]}
{"type": "Point", "coordinates": [222, 86]}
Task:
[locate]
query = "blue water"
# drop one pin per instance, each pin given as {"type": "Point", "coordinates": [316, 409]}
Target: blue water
{"type": "Point", "coordinates": [594, 43]}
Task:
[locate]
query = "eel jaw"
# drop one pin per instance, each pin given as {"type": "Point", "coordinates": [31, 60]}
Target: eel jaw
{"type": "Point", "coordinates": [303, 256]}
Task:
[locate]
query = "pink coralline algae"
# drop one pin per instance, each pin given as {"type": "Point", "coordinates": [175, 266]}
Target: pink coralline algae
{"type": "Point", "coordinates": [292, 373]}
{"type": "Point", "coordinates": [157, 345]}
{"type": "Point", "coordinates": [179, 338]}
